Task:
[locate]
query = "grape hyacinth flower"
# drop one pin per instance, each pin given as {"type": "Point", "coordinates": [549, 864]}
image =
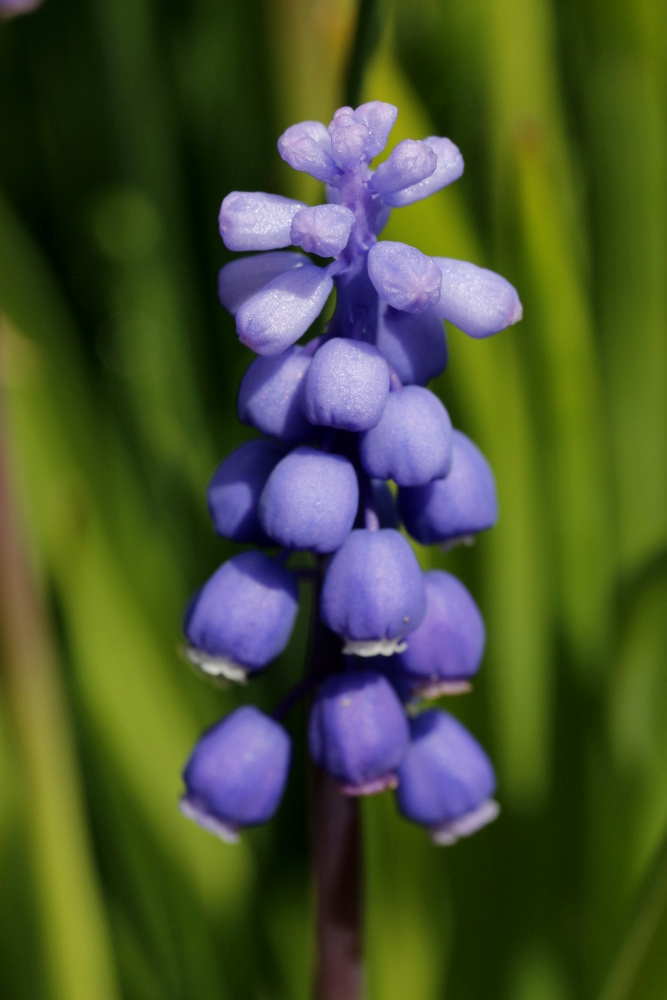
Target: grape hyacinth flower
{"type": "Point", "coordinates": [341, 415]}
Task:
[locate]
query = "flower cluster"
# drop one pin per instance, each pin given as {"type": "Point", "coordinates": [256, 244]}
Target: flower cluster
{"type": "Point", "coordinates": [343, 414]}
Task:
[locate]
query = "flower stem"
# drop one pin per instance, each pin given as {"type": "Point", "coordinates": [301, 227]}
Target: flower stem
{"type": "Point", "coordinates": [337, 859]}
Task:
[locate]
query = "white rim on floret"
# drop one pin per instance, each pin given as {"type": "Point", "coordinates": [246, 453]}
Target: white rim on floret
{"type": "Point", "coordinates": [374, 647]}
{"type": "Point", "coordinates": [192, 810]}
{"type": "Point", "coordinates": [216, 666]}
{"type": "Point", "coordinates": [453, 543]}
{"type": "Point", "coordinates": [436, 688]}
{"type": "Point", "coordinates": [463, 826]}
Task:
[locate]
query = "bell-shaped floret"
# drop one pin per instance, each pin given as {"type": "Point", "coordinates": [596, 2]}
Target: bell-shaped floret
{"type": "Point", "coordinates": [235, 488]}
{"type": "Point", "coordinates": [412, 442]}
{"type": "Point", "coordinates": [410, 162]}
{"type": "Point", "coordinates": [456, 508]}
{"type": "Point", "coordinates": [307, 147]}
{"type": "Point", "coordinates": [242, 617]}
{"type": "Point", "coordinates": [478, 301]}
{"type": "Point", "coordinates": [310, 501]}
{"type": "Point", "coordinates": [414, 344]}
{"type": "Point", "coordinates": [347, 385]}
{"type": "Point", "coordinates": [403, 276]}
{"type": "Point", "coordinates": [271, 395]}
{"type": "Point", "coordinates": [349, 137]}
{"type": "Point", "coordinates": [379, 118]}
{"type": "Point", "coordinates": [243, 278]}
{"type": "Point", "coordinates": [446, 648]}
{"type": "Point", "coordinates": [236, 774]}
{"type": "Point", "coordinates": [449, 168]}
{"type": "Point", "coordinates": [446, 780]}
{"type": "Point", "coordinates": [252, 220]}
{"type": "Point", "coordinates": [323, 230]}
{"type": "Point", "coordinates": [373, 592]}
{"type": "Point", "coordinates": [273, 319]}
{"type": "Point", "coordinates": [358, 731]}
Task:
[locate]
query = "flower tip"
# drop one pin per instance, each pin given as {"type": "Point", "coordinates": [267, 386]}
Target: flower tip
{"type": "Point", "coordinates": [374, 647]}
{"type": "Point", "coordinates": [387, 782]}
{"type": "Point", "coordinates": [449, 832]}
{"type": "Point", "coordinates": [218, 667]}
{"type": "Point", "coordinates": [192, 808]}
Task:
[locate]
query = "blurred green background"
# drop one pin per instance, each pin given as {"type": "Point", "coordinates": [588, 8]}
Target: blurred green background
{"type": "Point", "coordinates": [122, 126]}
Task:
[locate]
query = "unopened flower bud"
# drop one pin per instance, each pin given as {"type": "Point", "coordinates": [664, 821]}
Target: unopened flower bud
{"type": "Point", "coordinates": [236, 774]}
{"type": "Point", "coordinates": [358, 731]}
{"type": "Point", "coordinates": [446, 781]}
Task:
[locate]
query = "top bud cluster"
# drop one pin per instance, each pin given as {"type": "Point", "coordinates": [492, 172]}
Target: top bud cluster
{"type": "Point", "coordinates": [343, 414]}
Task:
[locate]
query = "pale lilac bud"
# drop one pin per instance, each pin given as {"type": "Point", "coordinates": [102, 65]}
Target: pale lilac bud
{"type": "Point", "coordinates": [349, 137]}
{"type": "Point", "coordinates": [236, 774]}
{"type": "Point", "coordinates": [412, 442]}
{"type": "Point", "coordinates": [310, 501]}
{"type": "Point", "coordinates": [276, 317]}
{"type": "Point", "coordinates": [478, 301]}
{"type": "Point", "coordinates": [414, 344]}
{"type": "Point", "coordinates": [323, 230]}
{"type": "Point", "coordinates": [358, 732]}
{"type": "Point", "coordinates": [410, 162]}
{"type": "Point", "coordinates": [307, 147]}
{"type": "Point", "coordinates": [449, 168]}
{"type": "Point", "coordinates": [373, 592]}
{"type": "Point", "coordinates": [379, 119]}
{"type": "Point", "coordinates": [235, 488]}
{"type": "Point", "coordinates": [403, 276]}
{"type": "Point", "coordinates": [347, 385]}
{"type": "Point", "coordinates": [242, 617]}
{"type": "Point", "coordinates": [241, 279]}
{"type": "Point", "coordinates": [252, 220]}
{"type": "Point", "coordinates": [271, 395]}
{"type": "Point", "coordinates": [446, 780]}
{"type": "Point", "coordinates": [455, 508]}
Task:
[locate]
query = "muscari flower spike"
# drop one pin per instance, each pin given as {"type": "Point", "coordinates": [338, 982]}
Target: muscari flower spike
{"type": "Point", "coordinates": [345, 414]}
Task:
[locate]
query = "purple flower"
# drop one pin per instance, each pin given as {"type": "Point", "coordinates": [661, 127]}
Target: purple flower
{"type": "Point", "coordinates": [366, 273]}
{"type": "Point", "coordinates": [445, 781]}
{"type": "Point", "coordinates": [348, 418]}
{"type": "Point", "coordinates": [373, 592]}
{"type": "Point", "coordinates": [242, 617]}
{"type": "Point", "coordinates": [446, 648]}
{"type": "Point", "coordinates": [358, 731]}
{"type": "Point", "coordinates": [236, 774]}
{"type": "Point", "coordinates": [456, 508]}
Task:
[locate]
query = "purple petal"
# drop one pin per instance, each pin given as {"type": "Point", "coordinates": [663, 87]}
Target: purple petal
{"type": "Point", "coordinates": [323, 230]}
{"type": "Point", "coordinates": [448, 169]}
{"type": "Point", "coordinates": [478, 301]}
{"type": "Point", "coordinates": [403, 276]}
{"type": "Point", "coordinates": [307, 147]}
{"type": "Point", "coordinates": [349, 138]}
{"type": "Point", "coordinates": [379, 119]}
{"type": "Point", "coordinates": [277, 316]}
{"type": "Point", "coordinates": [414, 344]}
{"type": "Point", "coordinates": [252, 220]}
{"type": "Point", "coordinates": [410, 162]}
{"type": "Point", "coordinates": [242, 278]}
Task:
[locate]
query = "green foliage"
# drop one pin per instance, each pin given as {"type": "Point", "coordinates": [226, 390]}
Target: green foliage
{"type": "Point", "coordinates": [122, 126]}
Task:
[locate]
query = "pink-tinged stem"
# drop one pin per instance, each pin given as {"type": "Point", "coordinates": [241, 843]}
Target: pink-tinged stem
{"type": "Point", "coordinates": [337, 858]}
{"type": "Point", "coordinates": [338, 866]}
